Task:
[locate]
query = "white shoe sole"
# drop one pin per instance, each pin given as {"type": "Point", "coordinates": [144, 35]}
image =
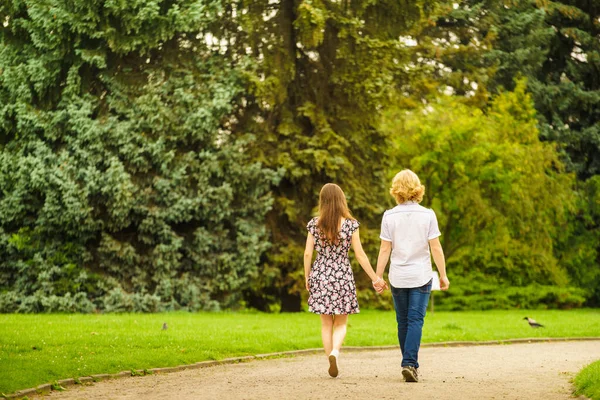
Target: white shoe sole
{"type": "Point", "coordinates": [333, 368]}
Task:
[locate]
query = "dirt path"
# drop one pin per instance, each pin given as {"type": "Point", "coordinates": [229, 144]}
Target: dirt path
{"type": "Point", "coordinates": [515, 371]}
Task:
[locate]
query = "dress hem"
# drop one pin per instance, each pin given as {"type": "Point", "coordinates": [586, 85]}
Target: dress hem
{"type": "Point", "coordinates": [349, 313]}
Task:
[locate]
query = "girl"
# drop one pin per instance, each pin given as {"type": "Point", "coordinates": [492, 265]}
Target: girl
{"type": "Point", "coordinates": [408, 231]}
{"type": "Point", "coordinates": [330, 282]}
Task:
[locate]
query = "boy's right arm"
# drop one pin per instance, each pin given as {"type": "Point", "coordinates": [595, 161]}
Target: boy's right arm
{"type": "Point", "coordinates": [440, 262]}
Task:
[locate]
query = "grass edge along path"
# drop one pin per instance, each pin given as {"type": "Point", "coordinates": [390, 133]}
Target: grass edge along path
{"type": "Point", "coordinates": [589, 384]}
{"type": "Point", "coordinates": [587, 381]}
{"type": "Point", "coordinates": [40, 348]}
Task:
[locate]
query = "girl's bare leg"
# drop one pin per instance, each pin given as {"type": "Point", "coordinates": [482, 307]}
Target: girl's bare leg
{"type": "Point", "coordinates": [339, 330]}
{"type": "Point", "coordinates": [327, 332]}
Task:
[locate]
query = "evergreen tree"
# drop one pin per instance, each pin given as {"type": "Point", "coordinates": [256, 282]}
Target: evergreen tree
{"type": "Point", "coordinates": [325, 72]}
{"type": "Point", "coordinates": [124, 184]}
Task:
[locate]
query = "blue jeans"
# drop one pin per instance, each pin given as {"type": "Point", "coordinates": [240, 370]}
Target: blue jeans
{"type": "Point", "coordinates": [411, 305]}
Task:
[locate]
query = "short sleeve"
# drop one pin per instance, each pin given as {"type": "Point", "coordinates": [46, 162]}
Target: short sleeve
{"type": "Point", "coordinates": [434, 230]}
{"type": "Point", "coordinates": [354, 224]}
{"type": "Point", "coordinates": [385, 231]}
{"type": "Point", "coordinates": [312, 226]}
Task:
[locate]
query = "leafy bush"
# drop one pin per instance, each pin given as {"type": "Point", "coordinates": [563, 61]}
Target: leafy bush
{"type": "Point", "coordinates": [481, 292]}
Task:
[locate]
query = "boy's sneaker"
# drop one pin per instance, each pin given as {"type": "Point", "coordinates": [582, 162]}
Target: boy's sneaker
{"type": "Point", "coordinates": [410, 374]}
{"type": "Point", "coordinates": [333, 367]}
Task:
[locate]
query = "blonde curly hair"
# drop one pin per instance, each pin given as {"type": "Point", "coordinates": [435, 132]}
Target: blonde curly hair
{"type": "Point", "coordinates": [406, 186]}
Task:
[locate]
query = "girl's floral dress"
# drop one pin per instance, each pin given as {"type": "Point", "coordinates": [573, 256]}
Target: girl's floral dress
{"type": "Point", "coordinates": [331, 282]}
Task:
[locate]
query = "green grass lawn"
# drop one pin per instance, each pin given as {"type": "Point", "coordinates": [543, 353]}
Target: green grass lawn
{"type": "Point", "coordinates": [587, 381]}
{"type": "Point", "coordinates": [36, 349]}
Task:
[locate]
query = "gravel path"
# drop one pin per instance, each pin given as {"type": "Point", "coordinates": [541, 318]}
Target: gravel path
{"type": "Point", "coordinates": [515, 371]}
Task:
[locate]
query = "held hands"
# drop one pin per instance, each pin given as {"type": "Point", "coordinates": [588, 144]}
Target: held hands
{"type": "Point", "coordinates": [380, 285]}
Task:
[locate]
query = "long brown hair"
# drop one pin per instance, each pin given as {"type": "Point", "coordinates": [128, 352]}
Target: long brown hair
{"type": "Point", "coordinates": [332, 208]}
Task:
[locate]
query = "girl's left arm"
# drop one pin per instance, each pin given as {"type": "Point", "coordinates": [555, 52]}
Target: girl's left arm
{"type": "Point", "coordinates": [308, 253]}
{"type": "Point", "coordinates": [362, 258]}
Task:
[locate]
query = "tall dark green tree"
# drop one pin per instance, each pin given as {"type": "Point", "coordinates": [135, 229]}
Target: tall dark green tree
{"type": "Point", "coordinates": [124, 183]}
{"type": "Point", "coordinates": [325, 73]}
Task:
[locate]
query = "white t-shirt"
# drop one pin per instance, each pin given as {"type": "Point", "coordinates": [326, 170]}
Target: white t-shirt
{"type": "Point", "coordinates": [409, 227]}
